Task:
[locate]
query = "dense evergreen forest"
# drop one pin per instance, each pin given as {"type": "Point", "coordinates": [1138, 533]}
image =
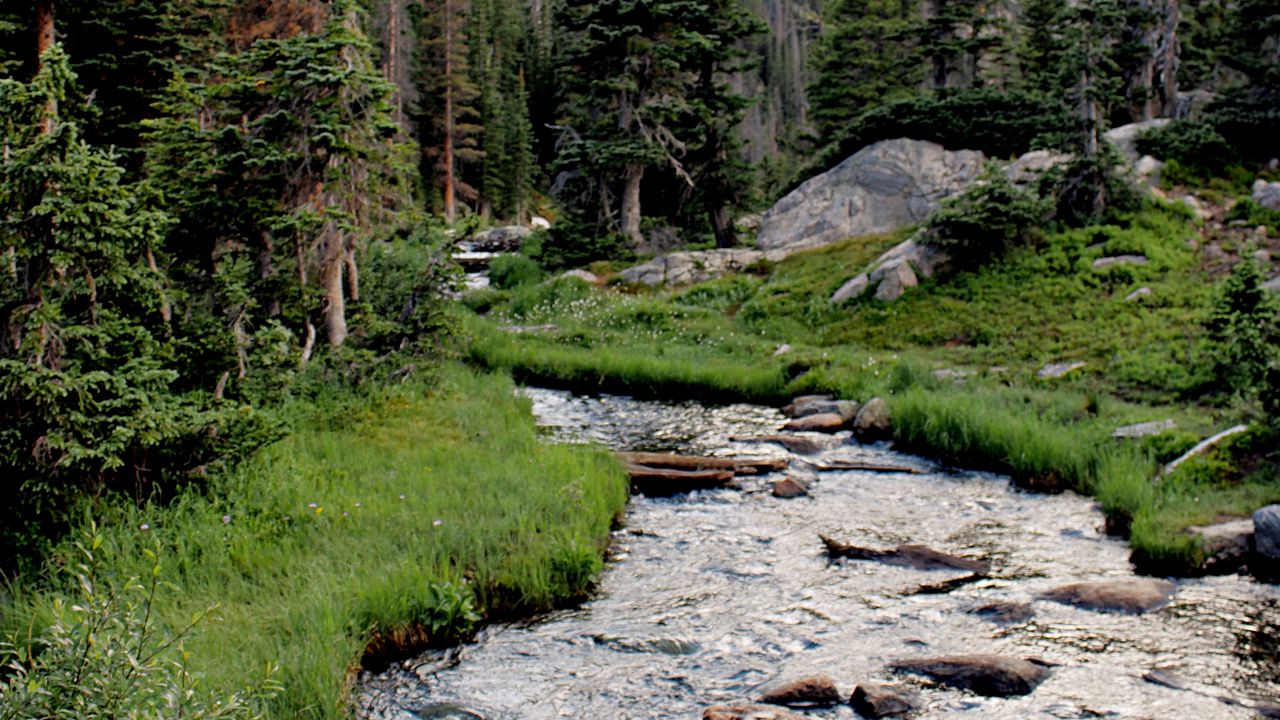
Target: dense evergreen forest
{"type": "Point", "coordinates": [218, 215]}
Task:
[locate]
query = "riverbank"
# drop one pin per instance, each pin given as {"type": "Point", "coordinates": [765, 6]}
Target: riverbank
{"type": "Point", "coordinates": [407, 520]}
{"type": "Point", "coordinates": [958, 360]}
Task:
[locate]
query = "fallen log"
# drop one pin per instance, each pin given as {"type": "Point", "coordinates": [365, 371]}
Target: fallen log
{"type": "Point", "coordinates": [914, 556]}
{"type": "Point", "coordinates": [665, 481]}
{"type": "Point", "coordinates": [868, 467]}
{"type": "Point", "coordinates": [738, 466]}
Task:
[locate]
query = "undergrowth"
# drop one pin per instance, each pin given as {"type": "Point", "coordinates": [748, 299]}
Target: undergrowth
{"type": "Point", "coordinates": [405, 523]}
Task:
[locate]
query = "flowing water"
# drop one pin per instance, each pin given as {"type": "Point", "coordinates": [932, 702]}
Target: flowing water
{"type": "Point", "coordinates": [710, 596]}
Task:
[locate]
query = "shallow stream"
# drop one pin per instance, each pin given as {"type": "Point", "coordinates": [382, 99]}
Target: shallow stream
{"type": "Point", "coordinates": [710, 596]}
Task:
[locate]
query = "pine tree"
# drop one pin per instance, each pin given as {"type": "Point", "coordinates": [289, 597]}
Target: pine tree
{"type": "Point", "coordinates": [83, 378]}
{"type": "Point", "coordinates": [279, 159]}
{"type": "Point", "coordinates": [637, 78]}
{"type": "Point", "coordinates": [448, 119]}
{"type": "Point", "coordinates": [868, 54]}
{"type": "Point", "coordinates": [955, 37]}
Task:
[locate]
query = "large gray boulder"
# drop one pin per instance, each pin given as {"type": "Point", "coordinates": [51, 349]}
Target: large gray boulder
{"type": "Point", "coordinates": [882, 187]}
{"type": "Point", "coordinates": [1267, 194]}
{"type": "Point", "coordinates": [897, 277]}
{"type": "Point", "coordinates": [1125, 138]}
{"type": "Point", "coordinates": [686, 268]}
{"type": "Point", "coordinates": [1266, 532]}
{"type": "Point", "coordinates": [500, 239]}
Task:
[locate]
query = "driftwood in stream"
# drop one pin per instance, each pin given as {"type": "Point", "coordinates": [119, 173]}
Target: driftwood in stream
{"type": "Point", "coordinates": [666, 481]}
{"type": "Point", "coordinates": [915, 556]}
{"type": "Point", "coordinates": [737, 466]}
{"type": "Point", "coordinates": [868, 467]}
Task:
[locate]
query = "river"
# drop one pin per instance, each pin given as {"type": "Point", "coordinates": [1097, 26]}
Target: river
{"type": "Point", "coordinates": [708, 597]}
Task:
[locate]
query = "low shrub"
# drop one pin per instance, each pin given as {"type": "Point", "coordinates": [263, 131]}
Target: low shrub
{"type": "Point", "coordinates": [104, 655]}
{"type": "Point", "coordinates": [512, 271]}
{"type": "Point", "coordinates": [1196, 145]}
{"type": "Point", "coordinates": [986, 219]}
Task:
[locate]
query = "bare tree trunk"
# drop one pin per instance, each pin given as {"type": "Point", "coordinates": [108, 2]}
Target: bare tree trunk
{"type": "Point", "coordinates": [331, 274]}
{"type": "Point", "coordinates": [353, 273]}
{"type": "Point", "coordinates": [450, 202]}
{"type": "Point", "coordinates": [1168, 59]}
{"type": "Point", "coordinates": [726, 235]}
{"type": "Point", "coordinates": [308, 345]}
{"type": "Point", "coordinates": [631, 205]}
{"type": "Point", "coordinates": [166, 312]}
{"type": "Point", "coordinates": [395, 63]}
{"type": "Point", "coordinates": [44, 27]}
{"type": "Point", "coordinates": [267, 270]}
{"type": "Point", "coordinates": [44, 41]}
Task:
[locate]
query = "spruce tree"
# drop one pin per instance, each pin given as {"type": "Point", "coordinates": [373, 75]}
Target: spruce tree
{"type": "Point", "coordinates": [868, 54]}
{"type": "Point", "coordinates": [639, 86]}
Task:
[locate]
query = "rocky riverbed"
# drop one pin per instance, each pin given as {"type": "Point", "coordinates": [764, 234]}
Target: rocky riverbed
{"type": "Point", "coordinates": [719, 597]}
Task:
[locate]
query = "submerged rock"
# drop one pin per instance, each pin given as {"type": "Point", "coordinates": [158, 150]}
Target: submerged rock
{"type": "Point", "coordinates": [821, 422]}
{"type": "Point", "coordinates": [877, 700]}
{"type": "Point", "coordinates": [811, 690]}
{"type": "Point", "coordinates": [1125, 595]}
{"type": "Point", "coordinates": [799, 444]}
{"type": "Point", "coordinates": [749, 712]}
{"type": "Point", "coordinates": [1003, 612]}
{"type": "Point", "coordinates": [788, 488]}
{"type": "Point", "coordinates": [914, 556]}
{"type": "Point", "coordinates": [990, 675]}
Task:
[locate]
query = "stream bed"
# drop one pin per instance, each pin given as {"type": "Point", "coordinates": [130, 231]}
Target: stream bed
{"type": "Point", "coordinates": [710, 596]}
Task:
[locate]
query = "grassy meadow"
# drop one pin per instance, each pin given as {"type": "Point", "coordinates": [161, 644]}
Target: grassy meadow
{"type": "Point", "coordinates": [956, 358]}
{"type": "Point", "coordinates": [406, 523]}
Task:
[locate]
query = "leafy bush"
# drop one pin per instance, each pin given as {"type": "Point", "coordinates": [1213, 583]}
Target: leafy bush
{"type": "Point", "coordinates": [104, 657]}
{"type": "Point", "coordinates": [1168, 445]}
{"type": "Point", "coordinates": [573, 243]}
{"type": "Point", "coordinates": [1089, 191]}
{"type": "Point", "coordinates": [1248, 121]}
{"type": "Point", "coordinates": [1194, 144]}
{"type": "Point", "coordinates": [512, 271]}
{"type": "Point", "coordinates": [987, 219]}
{"type": "Point", "coordinates": [1248, 210]}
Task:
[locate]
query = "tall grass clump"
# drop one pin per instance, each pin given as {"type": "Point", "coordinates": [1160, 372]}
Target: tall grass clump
{"type": "Point", "coordinates": [408, 523]}
{"type": "Point", "coordinates": [976, 429]}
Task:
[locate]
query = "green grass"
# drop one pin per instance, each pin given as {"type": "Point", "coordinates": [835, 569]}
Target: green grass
{"type": "Point", "coordinates": [1147, 360]}
{"type": "Point", "coordinates": [392, 528]}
